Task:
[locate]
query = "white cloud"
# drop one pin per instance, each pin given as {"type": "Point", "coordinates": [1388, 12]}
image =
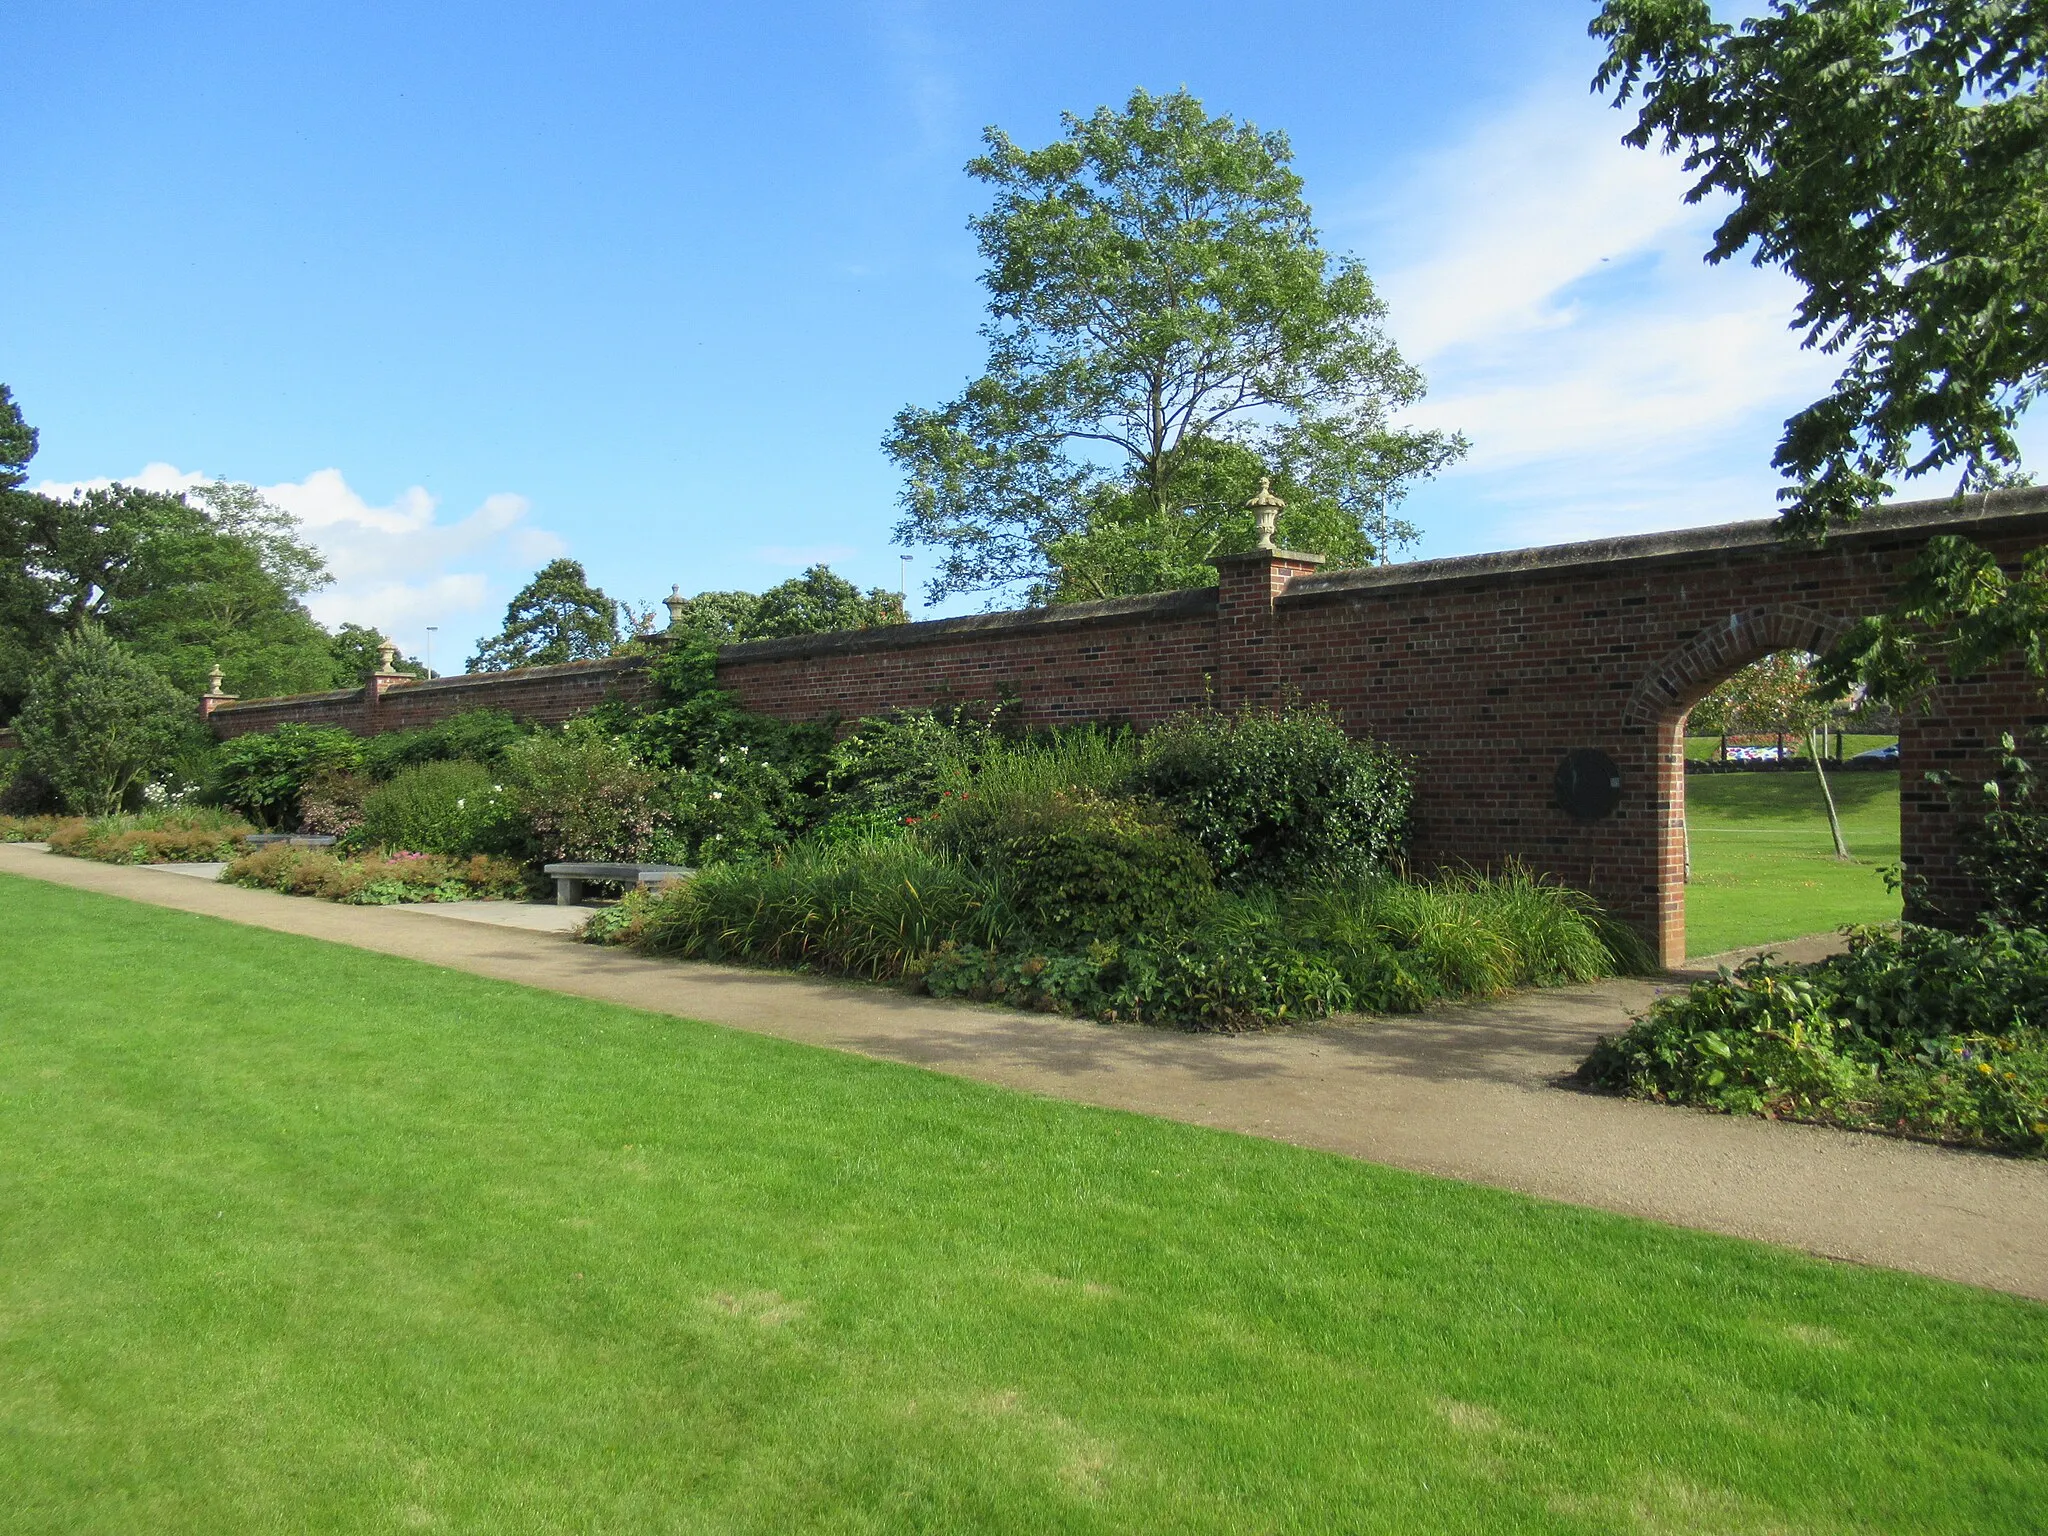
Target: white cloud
{"type": "Point", "coordinates": [397, 567]}
{"type": "Point", "coordinates": [1548, 279]}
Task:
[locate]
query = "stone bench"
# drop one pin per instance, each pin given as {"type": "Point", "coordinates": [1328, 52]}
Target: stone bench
{"type": "Point", "coordinates": [292, 839]}
{"type": "Point", "coordinates": [570, 878]}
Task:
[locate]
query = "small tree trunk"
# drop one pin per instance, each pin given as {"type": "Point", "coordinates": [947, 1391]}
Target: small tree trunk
{"type": "Point", "coordinates": [1827, 794]}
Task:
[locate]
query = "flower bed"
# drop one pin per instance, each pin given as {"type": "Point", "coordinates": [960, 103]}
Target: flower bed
{"type": "Point", "coordinates": [1920, 1033]}
{"type": "Point", "coordinates": [32, 829]}
{"type": "Point", "coordinates": [379, 879]}
{"type": "Point", "coordinates": [154, 837]}
{"type": "Point", "coordinates": [893, 909]}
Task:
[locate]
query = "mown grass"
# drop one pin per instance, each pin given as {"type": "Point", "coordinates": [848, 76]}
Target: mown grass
{"type": "Point", "coordinates": [294, 1237]}
{"type": "Point", "coordinates": [1764, 868]}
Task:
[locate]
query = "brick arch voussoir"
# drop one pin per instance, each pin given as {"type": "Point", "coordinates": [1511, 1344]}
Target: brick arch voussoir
{"type": "Point", "coordinates": [1725, 647]}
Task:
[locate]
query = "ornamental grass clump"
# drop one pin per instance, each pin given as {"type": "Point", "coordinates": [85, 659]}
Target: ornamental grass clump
{"type": "Point", "coordinates": [877, 908]}
{"type": "Point", "coordinates": [909, 907]}
{"type": "Point", "coordinates": [1922, 1033]}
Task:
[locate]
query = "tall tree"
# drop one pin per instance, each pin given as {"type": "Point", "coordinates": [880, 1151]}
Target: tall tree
{"type": "Point", "coordinates": [820, 601]}
{"type": "Point", "coordinates": [1156, 284]}
{"type": "Point", "coordinates": [17, 443]}
{"type": "Point", "coordinates": [1892, 156]}
{"type": "Point", "coordinates": [187, 586]}
{"type": "Point", "coordinates": [556, 617]}
{"type": "Point", "coordinates": [816, 602]}
{"type": "Point", "coordinates": [99, 721]}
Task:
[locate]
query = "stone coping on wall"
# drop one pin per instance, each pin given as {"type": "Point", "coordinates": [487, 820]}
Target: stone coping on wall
{"type": "Point", "coordinates": [1992, 513]}
{"type": "Point", "coordinates": [1980, 515]}
{"type": "Point", "coordinates": [1114, 610]}
{"type": "Point", "coordinates": [457, 683]}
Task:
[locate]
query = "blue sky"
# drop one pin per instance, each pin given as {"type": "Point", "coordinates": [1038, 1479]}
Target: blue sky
{"type": "Point", "coordinates": [468, 286]}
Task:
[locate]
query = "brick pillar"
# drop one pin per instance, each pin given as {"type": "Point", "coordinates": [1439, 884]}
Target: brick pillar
{"type": "Point", "coordinates": [1247, 663]}
{"type": "Point", "coordinates": [214, 697]}
{"type": "Point", "coordinates": [380, 682]}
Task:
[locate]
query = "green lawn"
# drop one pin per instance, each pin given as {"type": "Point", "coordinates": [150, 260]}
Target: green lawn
{"type": "Point", "coordinates": [1764, 867]}
{"type": "Point", "coordinates": [299, 1238]}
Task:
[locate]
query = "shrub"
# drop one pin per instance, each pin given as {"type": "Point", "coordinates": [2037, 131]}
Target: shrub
{"type": "Point", "coordinates": [376, 879]}
{"type": "Point", "coordinates": [736, 806]}
{"type": "Point", "coordinates": [585, 794]}
{"type": "Point", "coordinates": [476, 735]}
{"type": "Point", "coordinates": [331, 805]}
{"type": "Point", "coordinates": [179, 836]}
{"type": "Point", "coordinates": [99, 722]}
{"type": "Point", "coordinates": [28, 793]}
{"type": "Point", "coordinates": [1920, 1032]}
{"type": "Point", "coordinates": [442, 807]}
{"type": "Point", "coordinates": [895, 766]}
{"type": "Point", "coordinates": [2006, 852]}
{"type": "Point", "coordinates": [1077, 867]}
{"type": "Point", "coordinates": [1281, 798]}
{"type": "Point", "coordinates": [264, 775]}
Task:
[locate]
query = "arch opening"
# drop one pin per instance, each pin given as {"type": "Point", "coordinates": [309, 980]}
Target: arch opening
{"type": "Point", "coordinates": [1757, 842]}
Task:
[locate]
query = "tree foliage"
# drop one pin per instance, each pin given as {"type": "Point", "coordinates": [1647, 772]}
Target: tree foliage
{"type": "Point", "coordinates": [99, 722]}
{"type": "Point", "coordinates": [1777, 694]}
{"type": "Point", "coordinates": [817, 602]}
{"type": "Point", "coordinates": [1156, 287]}
{"type": "Point", "coordinates": [1958, 612]}
{"type": "Point", "coordinates": [556, 617]}
{"type": "Point", "coordinates": [17, 443]}
{"type": "Point", "coordinates": [1891, 155]}
{"type": "Point", "coordinates": [215, 577]}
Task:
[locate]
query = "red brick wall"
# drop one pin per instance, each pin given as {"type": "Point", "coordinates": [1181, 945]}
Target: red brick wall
{"type": "Point", "coordinates": [543, 695]}
{"type": "Point", "coordinates": [1486, 670]}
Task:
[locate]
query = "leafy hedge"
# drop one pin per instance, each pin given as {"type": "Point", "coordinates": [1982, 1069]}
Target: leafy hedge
{"type": "Point", "coordinates": [1922, 1033]}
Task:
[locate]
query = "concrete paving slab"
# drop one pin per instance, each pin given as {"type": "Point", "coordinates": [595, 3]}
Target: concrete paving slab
{"type": "Point", "coordinates": [534, 917]}
{"type": "Point", "coordinates": [1479, 1093]}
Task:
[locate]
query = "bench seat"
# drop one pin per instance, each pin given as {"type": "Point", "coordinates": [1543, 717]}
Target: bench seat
{"type": "Point", "coordinates": [570, 878]}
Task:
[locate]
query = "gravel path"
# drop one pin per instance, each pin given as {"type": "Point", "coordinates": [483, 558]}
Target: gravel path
{"type": "Point", "coordinates": [1473, 1093]}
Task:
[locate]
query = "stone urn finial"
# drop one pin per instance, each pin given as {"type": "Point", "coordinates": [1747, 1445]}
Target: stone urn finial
{"type": "Point", "coordinates": [1266, 508]}
{"type": "Point", "coordinates": [675, 602]}
{"type": "Point", "coordinates": [213, 688]}
{"type": "Point", "coordinates": [387, 659]}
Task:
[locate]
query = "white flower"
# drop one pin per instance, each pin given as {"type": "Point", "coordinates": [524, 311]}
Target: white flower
{"type": "Point", "coordinates": [743, 753]}
{"type": "Point", "coordinates": [458, 804]}
{"type": "Point", "coordinates": [497, 789]}
{"type": "Point", "coordinates": [716, 795]}
{"type": "Point", "coordinates": [721, 759]}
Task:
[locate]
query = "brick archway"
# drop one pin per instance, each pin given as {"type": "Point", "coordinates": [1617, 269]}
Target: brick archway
{"type": "Point", "coordinates": [1719, 651]}
{"type": "Point", "coordinates": [1658, 707]}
